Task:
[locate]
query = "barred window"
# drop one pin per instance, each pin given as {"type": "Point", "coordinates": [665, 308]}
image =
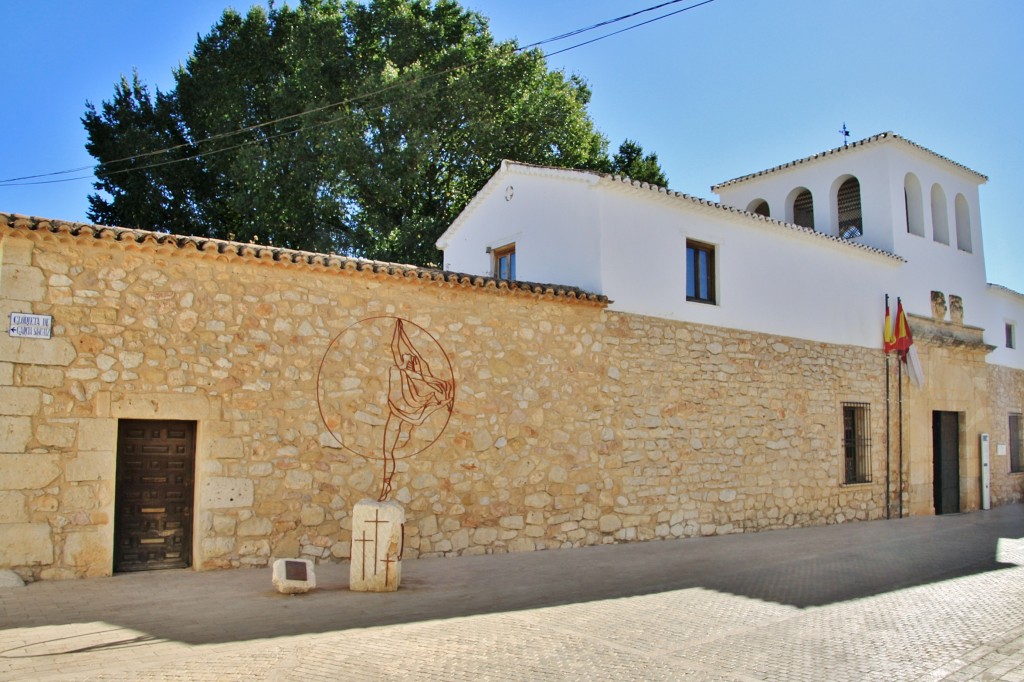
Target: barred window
{"type": "Point", "coordinates": [850, 220]}
{"type": "Point", "coordinates": [803, 209]}
{"type": "Point", "coordinates": [1016, 449]}
{"type": "Point", "coordinates": [760, 207]}
{"type": "Point", "coordinates": [857, 442]}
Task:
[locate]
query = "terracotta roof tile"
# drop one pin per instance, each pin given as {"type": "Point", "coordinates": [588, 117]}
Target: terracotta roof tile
{"type": "Point", "coordinates": [880, 138]}
{"type": "Point", "coordinates": [274, 254]}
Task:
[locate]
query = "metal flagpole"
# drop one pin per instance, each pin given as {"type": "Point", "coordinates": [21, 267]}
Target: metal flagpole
{"type": "Point", "coordinates": [888, 424]}
{"type": "Point", "coordinates": [899, 381]}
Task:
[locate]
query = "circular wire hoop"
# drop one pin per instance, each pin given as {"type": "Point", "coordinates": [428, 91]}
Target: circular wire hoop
{"type": "Point", "coordinates": [367, 335]}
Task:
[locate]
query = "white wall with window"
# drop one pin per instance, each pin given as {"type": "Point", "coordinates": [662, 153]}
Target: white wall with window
{"type": "Point", "coordinates": [628, 241]}
{"type": "Point", "coordinates": [545, 214]}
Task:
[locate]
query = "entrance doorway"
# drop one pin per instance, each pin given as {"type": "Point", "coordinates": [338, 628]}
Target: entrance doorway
{"type": "Point", "coordinates": [153, 499]}
{"type": "Point", "coordinates": [946, 461]}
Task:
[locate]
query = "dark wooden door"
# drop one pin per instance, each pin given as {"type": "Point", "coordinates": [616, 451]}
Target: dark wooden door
{"type": "Point", "coordinates": [946, 461]}
{"type": "Point", "coordinates": [153, 508]}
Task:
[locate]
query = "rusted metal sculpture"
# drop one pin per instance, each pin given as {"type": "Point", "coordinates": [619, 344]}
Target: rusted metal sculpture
{"type": "Point", "coordinates": [385, 401]}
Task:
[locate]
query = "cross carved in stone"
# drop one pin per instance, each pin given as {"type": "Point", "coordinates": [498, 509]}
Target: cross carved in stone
{"type": "Point", "coordinates": [364, 540]}
{"type": "Point", "coordinates": [377, 520]}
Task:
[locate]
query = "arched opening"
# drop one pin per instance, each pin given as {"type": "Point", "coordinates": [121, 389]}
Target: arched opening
{"type": "Point", "coordinates": [963, 223]}
{"type": "Point", "coordinates": [940, 216]}
{"type": "Point", "coordinates": [914, 204]}
{"type": "Point", "coordinates": [850, 218]}
{"type": "Point", "coordinates": [801, 207]}
{"type": "Point", "coordinates": [760, 207]}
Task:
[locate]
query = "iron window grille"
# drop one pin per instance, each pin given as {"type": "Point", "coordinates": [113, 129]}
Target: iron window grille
{"type": "Point", "coordinates": [850, 218]}
{"type": "Point", "coordinates": [857, 442]}
{"type": "Point", "coordinates": [803, 209]}
{"type": "Point", "coordinates": [1016, 446]}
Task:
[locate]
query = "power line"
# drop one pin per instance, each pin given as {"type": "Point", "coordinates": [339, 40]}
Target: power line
{"type": "Point", "coordinates": [97, 169]}
{"type": "Point", "coordinates": [630, 28]}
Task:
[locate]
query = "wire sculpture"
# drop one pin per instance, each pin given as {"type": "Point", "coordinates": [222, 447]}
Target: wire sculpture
{"type": "Point", "coordinates": [385, 400]}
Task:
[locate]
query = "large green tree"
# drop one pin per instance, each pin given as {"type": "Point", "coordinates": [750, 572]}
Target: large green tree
{"type": "Point", "coordinates": [360, 128]}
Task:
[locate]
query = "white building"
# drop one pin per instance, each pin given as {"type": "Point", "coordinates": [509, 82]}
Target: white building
{"type": "Point", "coordinates": [807, 249]}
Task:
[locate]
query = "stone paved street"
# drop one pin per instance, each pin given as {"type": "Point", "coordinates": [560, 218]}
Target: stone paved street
{"type": "Point", "coordinates": [927, 598]}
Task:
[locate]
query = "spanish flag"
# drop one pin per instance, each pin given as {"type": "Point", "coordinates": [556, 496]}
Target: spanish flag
{"type": "Point", "coordinates": [888, 340]}
{"type": "Point", "coordinates": [904, 345]}
{"type": "Point", "coordinates": [902, 339]}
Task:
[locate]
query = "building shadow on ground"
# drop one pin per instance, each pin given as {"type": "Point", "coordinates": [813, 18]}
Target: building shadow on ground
{"type": "Point", "coordinates": [801, 568]}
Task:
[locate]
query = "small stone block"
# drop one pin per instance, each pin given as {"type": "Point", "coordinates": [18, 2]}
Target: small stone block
{"type": "Point", "coordinates": [377, 544]}
{"type": "Point", "coordinates": [10, 579]}
{"type": "Point", "coordinates": [294, 576]}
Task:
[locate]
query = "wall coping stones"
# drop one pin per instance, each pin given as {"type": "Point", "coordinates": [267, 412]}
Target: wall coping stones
{"type": "Point", "coordinates": [272, 255]}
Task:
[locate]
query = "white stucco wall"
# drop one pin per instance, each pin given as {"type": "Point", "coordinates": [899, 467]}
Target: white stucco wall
{"type": "Point", "coordinates": [768, 278]}
{"type": "Point", "coordinates": [882, 167]}
{"type": "Point", "coordinates": [547, 217]}
{"type": "Point", "coordinates": [628, 242]}
{"type": "Point", "coordinates": [1004, 306]}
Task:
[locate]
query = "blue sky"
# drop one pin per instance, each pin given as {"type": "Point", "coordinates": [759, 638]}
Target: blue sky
{"type": "Point", "coordinates": [718, 91]}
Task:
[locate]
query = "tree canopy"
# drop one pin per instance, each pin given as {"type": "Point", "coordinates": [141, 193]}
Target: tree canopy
{"type": "Point", "coordinates": [338, 126]}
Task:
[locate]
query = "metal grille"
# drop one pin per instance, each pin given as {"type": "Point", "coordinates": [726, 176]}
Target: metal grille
{"type": "Point", "coordinates": [857, 442]}
{"type": "Point", "coordinates": [850, 219]}
{"type": "Point", "coordinates": [803, 209]}
{"type": "Point", "coordinates": [1016, 446]}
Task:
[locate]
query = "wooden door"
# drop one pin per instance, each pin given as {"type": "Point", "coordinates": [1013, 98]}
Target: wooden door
{"type": "Point", "coordinates": [946, 461]}
{"type": "Point", "coordinates": [153, 507]}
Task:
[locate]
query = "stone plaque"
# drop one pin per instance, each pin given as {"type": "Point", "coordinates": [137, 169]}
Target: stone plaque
{"type": "Point", "coordinates": [295, 570]}
{"type": "Point", "coordinates": [294, 576]}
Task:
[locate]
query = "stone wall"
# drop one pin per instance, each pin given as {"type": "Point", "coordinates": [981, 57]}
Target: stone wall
{"type": "Point", "coordinates": [571, 425]}
{"type": "Point", "coordinates": [1007, 388]}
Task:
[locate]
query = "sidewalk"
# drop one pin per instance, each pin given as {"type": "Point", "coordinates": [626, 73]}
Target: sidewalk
{"type": "Point", "coordinates": [925, 598]}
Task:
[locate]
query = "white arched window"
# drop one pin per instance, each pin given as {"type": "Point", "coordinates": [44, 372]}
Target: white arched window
{"type": "Point", "coordinates": [802, 207]}
{"type": "Point", "coordinates": [850, 217]}
{"type": "Point", "coordinates": [940, 216]}
{"type": "Point", "coordinates": [914, 203]}
{"type": "Point", "coordinates": [963, 223]}
{"type": "Point", "coordinates": [760, 207]}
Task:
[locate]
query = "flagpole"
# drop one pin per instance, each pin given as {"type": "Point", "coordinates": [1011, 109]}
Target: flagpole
{"type": "Point", "coordinates": [899, 381]}
{"type": "Point", "coordinates": [888, 427]}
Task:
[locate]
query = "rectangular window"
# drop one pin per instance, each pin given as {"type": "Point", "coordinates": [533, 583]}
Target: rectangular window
{"type": "Point", "coordinates": [857, 443]}
{"type": "Point", "coordinates": [505, 262]}
{"type": "Point", "coordinates": [700, 272]}
{"type": "Point", "coordinates": [1011, 341]}
{"type": "Point", "coordinates": [1016, 447]}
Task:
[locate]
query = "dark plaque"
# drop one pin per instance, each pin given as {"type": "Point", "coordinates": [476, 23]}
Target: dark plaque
{"type": "Point", "coordinates": [295, 570]}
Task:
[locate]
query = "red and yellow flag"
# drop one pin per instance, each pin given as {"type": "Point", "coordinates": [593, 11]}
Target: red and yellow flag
{"type": "Point", "coordinates": [888, 340]}
{"type": "Point", "coordinates": [902, 339]}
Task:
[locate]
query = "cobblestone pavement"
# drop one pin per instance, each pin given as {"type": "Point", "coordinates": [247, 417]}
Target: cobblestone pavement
{"type": "Point", "coordinates": [930, 598]}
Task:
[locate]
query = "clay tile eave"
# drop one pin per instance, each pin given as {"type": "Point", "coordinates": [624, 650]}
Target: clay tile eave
{"type": "Point", "coordinates": [203, 247]}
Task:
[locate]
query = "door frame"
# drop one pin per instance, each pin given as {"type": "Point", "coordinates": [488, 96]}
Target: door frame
{"type": "Point", "coordinates": [188, 522]}
{"type": "Point", "coordinates": [947, 455]}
